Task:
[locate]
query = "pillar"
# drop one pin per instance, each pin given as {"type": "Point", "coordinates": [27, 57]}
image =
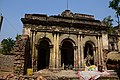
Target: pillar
{"type": "Point", "coordinates": [95, 55]}
{"type": "Point", "coordinates": [33, 52]}
{"type": "Point", "coordinates": [36, 56]}
{"type": "Point", "coordinates": [54, 51]}
{"type": "Point", "coordinates": [57, 52]}
{"type": "Point", "coordinates": [51, 66]}
{"type": "Point", "coordinates": [79, 54]}
{"type": "Point", "coordinates": [82, 53]}
{"type": "Point", "coordinates": [99, 50]}
{"type": "Point", "coordinates": [75, 57]}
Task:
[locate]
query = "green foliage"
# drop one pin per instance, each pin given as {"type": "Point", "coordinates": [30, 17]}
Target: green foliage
{"type": "Point", "coordinates": [18, 37]}
{"type": "Point", "coordinates": [115, 4]}
{"type": "Point", "coordinates": [108, 22]}
{"type": "Point", "coordinates": [7, 45]}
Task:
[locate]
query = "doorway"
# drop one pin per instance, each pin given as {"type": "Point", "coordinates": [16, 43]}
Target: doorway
{"type": "Point", "coordinates": [43, 55]}
{"type": "Point", "coordinates": [67, 54]}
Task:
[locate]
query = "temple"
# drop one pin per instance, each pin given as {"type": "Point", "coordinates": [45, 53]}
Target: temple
{"type": "Point", "coordinates": [59, 41]}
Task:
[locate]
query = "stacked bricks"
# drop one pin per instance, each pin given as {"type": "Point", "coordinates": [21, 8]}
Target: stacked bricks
{"type": "Point", "coordinates": [19, 51]}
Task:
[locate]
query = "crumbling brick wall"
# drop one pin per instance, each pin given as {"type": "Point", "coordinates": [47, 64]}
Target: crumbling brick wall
{"type": "Point", "coordinates": [21, 48]}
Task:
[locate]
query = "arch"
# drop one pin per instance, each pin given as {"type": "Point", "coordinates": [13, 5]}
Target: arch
{"type": "Point", "coordinates": [91, 39]}
{"type": "Point", "coordinates": [43, 53]}
{"type": "Point", "coordinates": [44, 38]}
{"type": "Point", "coordinates": [70, 40]}
{"type": "Point", "coordinates": [89, 53]}
{"type": "Point", "coordinates": [67, 53]}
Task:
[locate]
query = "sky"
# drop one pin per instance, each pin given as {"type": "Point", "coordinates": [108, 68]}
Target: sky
{"type": "Point", "coordinates": [14, 10]}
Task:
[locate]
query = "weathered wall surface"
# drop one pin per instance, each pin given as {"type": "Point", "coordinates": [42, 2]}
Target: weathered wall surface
{"type": "Point", "coordinates": [6, 62]}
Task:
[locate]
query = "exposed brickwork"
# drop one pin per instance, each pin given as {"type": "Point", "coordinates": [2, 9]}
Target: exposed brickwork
{"type": "Point", "coordinates": [19, 51]}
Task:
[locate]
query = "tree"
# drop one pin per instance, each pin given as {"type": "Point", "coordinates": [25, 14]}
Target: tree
{"type": "Point", "coordinates": [7, 45]}
{"type": "Point", "coordinates": [115, 5]}
{"type": "Point", "coordinates": [18, 37]}
{"type": "Point", "coordinates": [108, 21]}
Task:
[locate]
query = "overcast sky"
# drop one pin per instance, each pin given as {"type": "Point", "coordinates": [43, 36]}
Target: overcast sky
{"type": "Point", "coordinates": [14, 10]}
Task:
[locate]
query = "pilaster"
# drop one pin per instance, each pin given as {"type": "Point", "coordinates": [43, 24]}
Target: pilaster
{"type": "Point", "coordinates": [79, 54]}
{"type": "Point", "coordinates": [82, 53]}
{"type": "Point", "coordinates": [54, 51]}
{"type": "Point", "coordinates": [57, 52]}
{"type": "Point", "coordinates": [51, 64]}
{"type": "Point", "coordinates": [99, 50]}
{"type": "Point", "coordinates": [75, 57]}
{"type": "Point", "coordinates": [33, 52]}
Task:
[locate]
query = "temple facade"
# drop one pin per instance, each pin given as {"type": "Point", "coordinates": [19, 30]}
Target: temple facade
{"type": "Point", "coordinates": [65, 40]}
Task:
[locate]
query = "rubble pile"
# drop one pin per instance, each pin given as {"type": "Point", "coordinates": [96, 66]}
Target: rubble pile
{"type": "Point", "coordinates": [47, 74]}
{"type": "Point", "coordinates": [58, 75]}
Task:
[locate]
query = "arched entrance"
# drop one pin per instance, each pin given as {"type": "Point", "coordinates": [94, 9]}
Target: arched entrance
{"type": "Point", "coordinates": [89, 53]}
{"type": "Point", "coordinates": [67, 54]}
{"type": "Point", "coordinates": [43, 55]}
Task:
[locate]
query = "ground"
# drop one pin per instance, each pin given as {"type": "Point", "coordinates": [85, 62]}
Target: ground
{"type": "Point", "coordinates": [47, 74]}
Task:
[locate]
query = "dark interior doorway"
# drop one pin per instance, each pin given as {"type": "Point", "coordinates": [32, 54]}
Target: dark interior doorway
{"type": "Point", "coordinates": [67, 54]}
{"type": "Point", "coordinates": [43, 55]}
{"type": "Point", "coordinates": [88, 54]}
